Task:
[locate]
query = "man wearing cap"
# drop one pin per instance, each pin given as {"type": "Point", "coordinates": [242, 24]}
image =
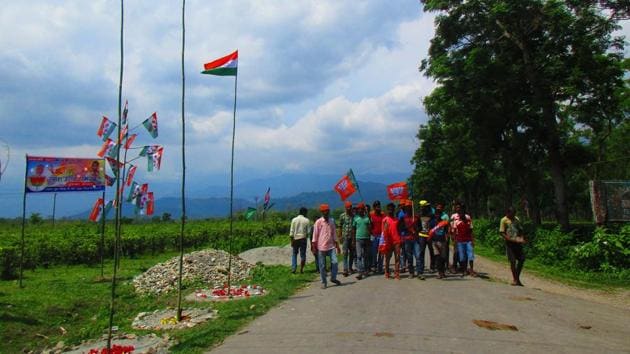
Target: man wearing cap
{"type": "Point", "coordinates": [299, 231]}
{"type": "Point", "coordinates": [347, 238]}
{"type": "Point", "coordinates": [361, 229]}
{"type": "Point", "coordinates": [325, 243]}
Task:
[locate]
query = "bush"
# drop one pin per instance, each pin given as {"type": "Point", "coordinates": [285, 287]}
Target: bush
{"type": "Point", "coordinates": [9, 263]}
{"type": "Point", "coordinates": [551, 246]}
{"type": "Point", "coordinates": [606, 251]}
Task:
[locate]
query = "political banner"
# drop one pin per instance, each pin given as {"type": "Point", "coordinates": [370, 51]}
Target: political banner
{"type": "Point", "coordinates": [62, 174]}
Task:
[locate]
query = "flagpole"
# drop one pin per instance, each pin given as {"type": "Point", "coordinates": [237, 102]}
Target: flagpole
{"type": "Point", "coordinates": [232, 186]}
{"type": "Point", "coordinates": [118, 194]}
{"type": "Point", "coordinates": [181, 231]}
{"type": "Point", "coordinates": [102, 245]}
{"type": "Point", "coordinates": [23, 222]}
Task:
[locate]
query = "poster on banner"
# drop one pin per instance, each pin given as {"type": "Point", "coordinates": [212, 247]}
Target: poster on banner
{"type": "Point", "coordinates": [63, 174]}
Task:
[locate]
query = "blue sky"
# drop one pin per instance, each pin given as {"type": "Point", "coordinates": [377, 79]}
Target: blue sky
{"type": "Point", "coordinates": [323, 85]}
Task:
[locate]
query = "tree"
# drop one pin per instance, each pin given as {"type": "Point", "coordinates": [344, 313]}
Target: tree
{"type": "Point", "coordinates": [527, 76]}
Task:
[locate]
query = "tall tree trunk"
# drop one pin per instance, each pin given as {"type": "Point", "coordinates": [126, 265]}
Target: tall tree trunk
{"type": "Point", "coordinates": [559, 182]}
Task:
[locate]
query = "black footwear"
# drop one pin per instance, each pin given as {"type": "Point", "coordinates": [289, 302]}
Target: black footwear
{"type": "Point", "coordinates": [360, 276]}
{"type": "Point", "coordinates": [345, 274]}
{"type": "Point", "coordinates": [421, 277]}
{"type": "Point", "coordinates": [337, 282]}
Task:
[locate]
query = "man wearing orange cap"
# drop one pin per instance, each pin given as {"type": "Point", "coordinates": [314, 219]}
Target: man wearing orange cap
{"type": "Point", "coordinates": [347, 238]}
{"type": "Point", "coordinates": [361, 229]}
{"type": "Point", "coordinates": [325, 243]}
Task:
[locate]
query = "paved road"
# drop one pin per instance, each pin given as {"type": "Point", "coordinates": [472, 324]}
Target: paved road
{"type": "Point", "coordinates": [376, 315]}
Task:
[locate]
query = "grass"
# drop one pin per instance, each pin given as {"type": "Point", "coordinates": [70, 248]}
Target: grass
{"type": "Point", "coordinates": [587, 280]}
{"type": "Point", "coordinates": [74, 300]}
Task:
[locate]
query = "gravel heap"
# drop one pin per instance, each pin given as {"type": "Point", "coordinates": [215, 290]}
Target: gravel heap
{"type": "Point", "coordinates": [166, 319]}
{"type": "Point", "coordinates": [273, 255]}
{"type": "Point", "coordinates": [209, 266]}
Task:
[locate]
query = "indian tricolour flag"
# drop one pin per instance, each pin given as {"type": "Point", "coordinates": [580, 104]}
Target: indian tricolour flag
{"type": "Point", "coordinates": [225, 66]}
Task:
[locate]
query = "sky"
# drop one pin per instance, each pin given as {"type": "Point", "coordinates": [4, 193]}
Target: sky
{"type": "Point", "coordinates": [323, 85]}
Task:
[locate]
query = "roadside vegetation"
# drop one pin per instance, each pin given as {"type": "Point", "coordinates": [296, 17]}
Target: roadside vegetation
{"type": "Point", "coordinates": [70, 302]}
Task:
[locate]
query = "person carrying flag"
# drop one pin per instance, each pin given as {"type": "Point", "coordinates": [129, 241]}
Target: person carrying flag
{"type": "Point", "coordinates": [347, 238]}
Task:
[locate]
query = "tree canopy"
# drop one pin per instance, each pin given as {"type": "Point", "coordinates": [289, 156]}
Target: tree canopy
{"type": "Point", "coordinates": [530, 98]}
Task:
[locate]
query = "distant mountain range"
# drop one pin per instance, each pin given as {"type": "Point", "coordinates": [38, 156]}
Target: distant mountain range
{"type": "Point", "coordinates": [288, 191]}
{"type": "Point", "coordinates": [197, 208]}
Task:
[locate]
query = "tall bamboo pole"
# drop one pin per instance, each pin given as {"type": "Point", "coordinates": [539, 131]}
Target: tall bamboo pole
{"type": "Point", "coordinates": [183, 221]}
{"type": "Point", "coordinates": [118, 194]}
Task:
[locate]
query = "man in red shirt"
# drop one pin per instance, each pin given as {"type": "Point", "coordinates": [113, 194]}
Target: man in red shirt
{"type": "Point", "coordinates": [463, 230]}
{"type": "Point", "coordinates": [392, 239]}
{"type": "Point", "coordinates": [376, 220]}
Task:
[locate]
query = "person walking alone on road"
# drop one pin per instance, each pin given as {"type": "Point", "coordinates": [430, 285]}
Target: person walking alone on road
{"type": "Point", "coordinates": [361, 230]}
{"type": "Point", "coordinates": [325, 243]}
{"type": "Point", "coordinates": [347, 239]}
{"type": "Point", "coordinates": [299, 231]}
{"type": "Point", "coordinates": [392, 240]}
{"type": "Point", "coordinates": [512, 231]}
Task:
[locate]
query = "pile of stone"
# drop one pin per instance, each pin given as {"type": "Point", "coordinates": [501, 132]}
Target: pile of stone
{"type": "Point", "coordinates": [208, 266]}
{"type": "Point", "coordinates": [272, 255]}
{"type": "Point", "coordinates": [166, 319]}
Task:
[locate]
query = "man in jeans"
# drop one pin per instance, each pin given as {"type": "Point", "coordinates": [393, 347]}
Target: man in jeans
{"type": "Point", "coordinates": [300, 229]}
{"type": "Point", "coordinates": [325, 242]}
{"type": "Point", "coordinates": [376, 220]}
{"type": "Point", "coordinates": [409, 236]}
{"type": "Point", "coordinates": [347, 238]}
{"type": "Point", "coordinates": [361, 227]}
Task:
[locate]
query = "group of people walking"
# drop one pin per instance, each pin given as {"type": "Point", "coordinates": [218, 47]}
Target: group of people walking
{"type": "Point", "coordinates": [368, 238]}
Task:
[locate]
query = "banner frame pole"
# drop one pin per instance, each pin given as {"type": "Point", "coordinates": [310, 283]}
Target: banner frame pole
{"type": "Point", "coordinates": [23, 224]}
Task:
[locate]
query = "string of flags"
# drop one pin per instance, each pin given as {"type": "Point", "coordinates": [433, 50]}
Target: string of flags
{"type": "Point", "coordinates": [139, 194]}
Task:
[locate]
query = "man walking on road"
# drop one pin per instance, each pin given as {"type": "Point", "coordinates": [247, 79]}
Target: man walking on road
{"type": "Point", "coordinates": [325, 242]}
{"type": "Point", "coordinates": [512, 231]}
{"type": "Point", "coordinates": [300, 229]}
{"type": "Point", "coordinates": [376, 219]}
{"type": "Point", "coordinates": [347, 239]}
{"type": "Point", "coordinates": [392, 240]}
{"type": "Point", "coordinates": [361, 228]}
{"type": "Point", "coordinates": [463, 230]}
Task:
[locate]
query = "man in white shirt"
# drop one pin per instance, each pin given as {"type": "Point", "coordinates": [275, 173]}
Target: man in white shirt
{"type": "Point", "coordinates": [300, 229]}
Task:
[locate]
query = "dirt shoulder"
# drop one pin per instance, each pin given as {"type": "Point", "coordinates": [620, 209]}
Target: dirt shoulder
{"type": "Point", "coordinates": [501, 272]}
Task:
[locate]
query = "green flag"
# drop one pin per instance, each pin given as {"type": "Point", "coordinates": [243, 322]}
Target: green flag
{"type": "Point", "coordinates": [249, 214]}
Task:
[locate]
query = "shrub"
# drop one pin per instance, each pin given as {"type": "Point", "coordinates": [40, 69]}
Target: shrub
{"type": "Point", "coordinates": [605, 252]}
